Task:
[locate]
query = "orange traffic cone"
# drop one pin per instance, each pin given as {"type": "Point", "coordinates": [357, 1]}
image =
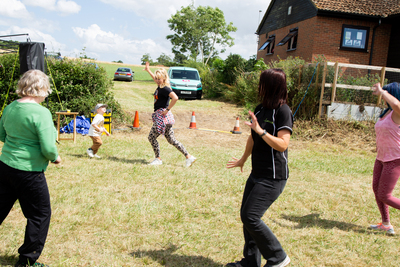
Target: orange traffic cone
{"type": "Point", "coordinates": [236, 129]}
{"type": "Point", "coordinates": [193, 122]}
{"type": "Point", "coordinates": [136, 121]}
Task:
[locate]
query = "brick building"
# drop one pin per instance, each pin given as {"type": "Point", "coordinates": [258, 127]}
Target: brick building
{"type": "Point", "coordinates": [347, 31]}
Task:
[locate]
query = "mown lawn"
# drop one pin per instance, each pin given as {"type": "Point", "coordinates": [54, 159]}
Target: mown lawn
{"type": "Point", "coordinates": [118, 211]}
{"type": "Point", "coordinates": [140, 75]}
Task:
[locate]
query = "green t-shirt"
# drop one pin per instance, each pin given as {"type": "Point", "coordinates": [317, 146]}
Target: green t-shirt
{"type": "Point", "coordinates": [29, 137]}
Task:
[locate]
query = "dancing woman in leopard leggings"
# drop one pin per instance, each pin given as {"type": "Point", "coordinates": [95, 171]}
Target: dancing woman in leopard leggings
{"type": "Point", "coordinates": [164, 100]}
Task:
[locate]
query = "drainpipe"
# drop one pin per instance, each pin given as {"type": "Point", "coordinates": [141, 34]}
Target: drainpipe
{"type": "Point", "coordinates": [372, 44]}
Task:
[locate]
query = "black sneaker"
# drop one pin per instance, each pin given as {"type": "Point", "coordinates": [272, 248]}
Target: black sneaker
{"type": "Point", "coordinates": [36, 264]}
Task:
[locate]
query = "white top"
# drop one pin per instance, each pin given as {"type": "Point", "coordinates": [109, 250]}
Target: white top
{"type": "Point", "coordinates": [99, 121]}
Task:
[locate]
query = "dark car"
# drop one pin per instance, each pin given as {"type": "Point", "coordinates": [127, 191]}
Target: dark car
{"type": "Point", "coordinates": [124, 74]}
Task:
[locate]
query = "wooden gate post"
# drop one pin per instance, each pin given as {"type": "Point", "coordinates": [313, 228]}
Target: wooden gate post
{"type": "Point", "coordinates": [334, 82]}
{"type": "Point", "coordinates": [383, 72]}
{"type": "Point", "coordinates": [321, 98]}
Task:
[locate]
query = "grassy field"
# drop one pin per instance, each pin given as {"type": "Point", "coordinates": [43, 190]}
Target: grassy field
{"type": "Point", "coordinates": [118, 211]}
{"type": "Point", "coordinates": [140, 74]}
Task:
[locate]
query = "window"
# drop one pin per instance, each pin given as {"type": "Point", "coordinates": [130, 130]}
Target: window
{"type": "Point", "coordinates": [269, 45]}
{"type": "Point", "coordinates": [290, 39]}
{"type": "Point", "coordinates": [354, 38]}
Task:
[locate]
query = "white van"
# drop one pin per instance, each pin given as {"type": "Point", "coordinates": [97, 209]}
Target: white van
{"type": "Point", "coordinates": [185, 82]}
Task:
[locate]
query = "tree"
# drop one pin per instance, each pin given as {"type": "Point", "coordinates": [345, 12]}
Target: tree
{"type": "Point", "coordinates": [179, 58]}
{"type": "Point", "coordinates": [146, 58]}
{"type": "Point", "coordinates": [198, 31]}
{"type": "Point", "coordinates": [165, 60]}
{"type": "Point", "coordinates": [250, 63]}
{"type": "Point", "coordinates": [234, 65]}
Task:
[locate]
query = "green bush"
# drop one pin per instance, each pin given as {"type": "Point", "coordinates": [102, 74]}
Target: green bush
{"type": "Point", "coordinates": [212, 88]}
{"type": "Point", "coordinates": [76, 86]}
{"type": "Point", "coordinates": [245, 91]}
{"type": "Point", "coordinates": [79, 87]}
{"type": "Point", "coordinates": [233, 67]}
{"type": "Point", "coordinates": [9, 75]}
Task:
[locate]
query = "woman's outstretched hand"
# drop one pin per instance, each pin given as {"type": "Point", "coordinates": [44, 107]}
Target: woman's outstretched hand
{"type": "Point", "coordinates": [377, 89]}
{"type": "Point", "coordinates": [147, 66]}
{"type": "Point", "coordinates": [254, 123]}
{"type": "Point", "coordinates": [235, 163]}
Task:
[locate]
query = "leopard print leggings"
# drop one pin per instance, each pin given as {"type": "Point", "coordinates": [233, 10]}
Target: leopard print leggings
{"type": "Point", "coordinates": [169, 135]}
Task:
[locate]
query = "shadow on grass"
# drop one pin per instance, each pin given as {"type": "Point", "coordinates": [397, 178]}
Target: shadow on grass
{"type": "Point", "coordinates": [166, 257]}
{"type": "Point", "coordinates": [112, 158]}
{"type": "Point", "coordinates": [132, 161]}
{"type": "Point", "coordinates": [79, 155]}
{"type": "Point", "coordinates": [6, 260]}
{"type": "Point", "coordinates": [314, 220]}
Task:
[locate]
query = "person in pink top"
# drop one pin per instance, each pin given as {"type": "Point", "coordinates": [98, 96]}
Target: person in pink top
{"type": "Point", "coordinates": [387, 164]}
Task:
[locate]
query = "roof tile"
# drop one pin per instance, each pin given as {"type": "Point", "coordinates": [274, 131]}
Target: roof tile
{"type": "Point", "coordinates": [381, 8]}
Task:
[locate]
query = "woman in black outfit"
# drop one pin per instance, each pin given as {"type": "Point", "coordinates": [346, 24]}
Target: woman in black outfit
{"type": "Point", "coordinates": [271, 127]}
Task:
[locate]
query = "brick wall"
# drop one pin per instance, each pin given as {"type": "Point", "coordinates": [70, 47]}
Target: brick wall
{"type": "Point", "coordinates": [321, 36]}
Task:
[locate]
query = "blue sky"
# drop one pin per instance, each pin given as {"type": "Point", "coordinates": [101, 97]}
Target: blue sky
{"type": "Point", "coordinates": [112, 30]}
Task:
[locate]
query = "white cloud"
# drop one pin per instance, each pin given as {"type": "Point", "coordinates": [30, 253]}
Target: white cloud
{"type": "Point", "coordinates": [133, 28]}
{"type": "Point", "coordinates": [99, 42]}
{"type": "Point", "coordinates": [14, 12]}
{"type": "Point", "coordinates": [35, 36]}
{"type": "Point", "coordinates": [151, 9]}
{"type": "Point", "coordinates": [13, 9]}
{"type": "Point", "coordinates": [244, 15]}
{"type": "Point", "coordinates": [64, 7]}
{"type": "Point", "coordinates": [67, 7]}
{"type": "Point", "coordinates": [245, 45]}
{"type": "Point", "coordinates": [40, 3]}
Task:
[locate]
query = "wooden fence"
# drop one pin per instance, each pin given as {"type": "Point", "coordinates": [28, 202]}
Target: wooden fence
{"type": "Point", "coordinates": [334, 85]}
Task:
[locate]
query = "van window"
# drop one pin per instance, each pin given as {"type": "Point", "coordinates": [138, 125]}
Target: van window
{"type": "Point", "coordinates": [185, 74]}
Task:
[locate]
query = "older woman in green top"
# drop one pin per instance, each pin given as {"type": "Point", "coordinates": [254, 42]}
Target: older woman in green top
{"type": "Point", "coordinates": [29, 137]}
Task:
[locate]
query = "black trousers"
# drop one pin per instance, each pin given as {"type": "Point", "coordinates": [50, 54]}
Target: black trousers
{"type": "Point", "coordinates": [258, 196]}
{"type": "Point", "coordinates": [30, 188]}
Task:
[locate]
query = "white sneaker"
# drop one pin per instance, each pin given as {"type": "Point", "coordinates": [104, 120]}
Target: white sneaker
{"type": "Point", "coordinates": [90, 152]}
{"type": "Point", "coordinates": [190, 161]}
{"type": "Point", "coordinates": [97, 156]}
{"type": "Point", "coordinates": [285, 262]}
{"type": "Point", "coordinates": [156, 162]}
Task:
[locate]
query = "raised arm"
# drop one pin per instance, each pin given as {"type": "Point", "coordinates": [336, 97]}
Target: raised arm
{"type": "Point", "coordinates": [147, 68]}
{"type": "Point", "coordinates": [391, 100]}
